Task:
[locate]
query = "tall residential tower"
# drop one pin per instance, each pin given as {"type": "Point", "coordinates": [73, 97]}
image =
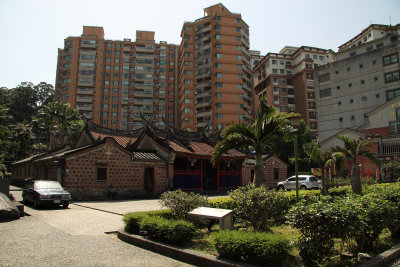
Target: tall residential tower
{"type": "Point", "coordinates": [215, 71]}
{"type": "Point", "coordinates": [114, 83]}
{"type": "Point", "coordinates": [287, 80]}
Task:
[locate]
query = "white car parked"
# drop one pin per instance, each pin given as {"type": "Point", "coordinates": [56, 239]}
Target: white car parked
{"type": "Point", "coordinates": [305, 182]}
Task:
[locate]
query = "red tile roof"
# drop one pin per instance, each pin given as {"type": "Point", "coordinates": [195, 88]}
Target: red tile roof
{"type": "Point", "coordinates": [121, 140]}
{"type": "Point", "coordinates": [198, 148]}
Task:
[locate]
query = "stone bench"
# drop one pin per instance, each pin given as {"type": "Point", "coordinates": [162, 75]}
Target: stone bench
{"type": "Point", "coordinates": [224, 216]}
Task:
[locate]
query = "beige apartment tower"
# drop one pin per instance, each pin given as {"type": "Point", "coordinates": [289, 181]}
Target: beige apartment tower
{"type": "Point", "coordinates": [287, 80]}
{"type": "Point", "coordinates": [114, 83]}
{"type": "Point", "coordinates": [215, 71]}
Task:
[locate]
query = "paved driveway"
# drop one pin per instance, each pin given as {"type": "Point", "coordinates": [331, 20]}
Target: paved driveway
{"type": "Point", "coordinates": [75, 236]}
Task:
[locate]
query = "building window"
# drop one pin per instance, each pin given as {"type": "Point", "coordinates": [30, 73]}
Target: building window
{"type": "Point", "coordinates": [339, 103]}
{"type": "Point", "coordinates": [351, 101]}
{"type": "Point", "coordinates": [219, 116]}
{"type": "Point", "coordinates": [218, 85]}
{"type": "Point", "coordinates": [325, 92]}
{"type": "Point", "coordinates": [218, 65]}
{"type": "Point", "coordinates": [186, 91]}
{"type": "Point", "coordinates": [219, 95]}
{"type": "Point", "coordinates": [239, 57]}
{"type": "Point", "coordinates": [186, 120]}
{"type": "Point", "coordinates": [239, 67]}
{"type": "Point", "coordinates": [240, 86]}
{"type": "Point", "coordinates": [276, 174]}
{"type": "Point", "coordinates": [390, 59]}
{"type": "Point", "coordinates": [218, 74]}
{"type": "Point", "coordinates": [186, 110]}
{"type": "Point", "coordinates": [218, 55]}
{"type": "Point", "coordinates": [350, 84]}
{"type": "Point", "coordinates": [186, 81]}
{"type": "Point", "coordinates": [391, 76]}
{"type": "Point", "coordinates": [101, 173]}
{"type": "Point", "coordinates": [218, 36]}
{"type": "Point", "coordinates": [187, 100]}
{"type": "Point", "coordinates": [390, 94]}
{"type": "Point", "coordinates": [218, 105]}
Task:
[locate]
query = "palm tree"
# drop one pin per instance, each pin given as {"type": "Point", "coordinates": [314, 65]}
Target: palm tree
{"type": "Point", "coordinates": [59, 121]}
{"type": "Point", "coordinates": [323, 161]}
{"type": "Point", "coordinates": [258, 137]}
{"type": "Point", "coordinates": [353, 149]}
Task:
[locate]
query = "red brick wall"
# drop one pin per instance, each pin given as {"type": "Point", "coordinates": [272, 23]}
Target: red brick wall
{"type": "Point", "coordinates": [378, 131]}
{"type": "Point", "coordinates": [125, 175]}
{"type": "Point", "coordinates": [269, 165]}
{"type": "Point", "coordinates": [367, 165]}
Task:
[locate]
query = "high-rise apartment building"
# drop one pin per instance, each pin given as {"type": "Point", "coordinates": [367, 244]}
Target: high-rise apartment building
{"type": "Point", "coordinates": [364, 76]}
{"type": "Point", "coordinates": [287, 80]}
{"type": "Point", "coordinates": [215, 72]}
{"type": "Point", "coordinates": [114, 82]}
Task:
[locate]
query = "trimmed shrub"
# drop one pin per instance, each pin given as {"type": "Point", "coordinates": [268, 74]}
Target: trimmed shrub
{"type": "Point", "coordinates": [170, 231]}
{"type": "Point", "coordinates": [257, 248]}
{"type": "Point", "coordinates": [340, 191]}
{"type": "Point", "coordinates": [181, 203]}
{"type": "Point", "coordinates": [375, 214]}
{"type": "Point", "coordinates": [261, 207]}
{"type": "Point", "coordinates": [391, 193]}
{"type": "Point", "coordinates": [132, 221]}
{"type": "Point", "coordinates": [222, 203]}
{"type": "Point", "coordinates": [319, 223]}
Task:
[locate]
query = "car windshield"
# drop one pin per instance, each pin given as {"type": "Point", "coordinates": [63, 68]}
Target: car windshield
{"type": "Point", "coordinates": [313, 179]}
{"type": "Point", "coordinates": [47, 185]}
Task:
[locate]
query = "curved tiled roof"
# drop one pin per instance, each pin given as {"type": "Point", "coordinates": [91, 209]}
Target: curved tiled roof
{"type": "Point", "coordinates": [121, 140]}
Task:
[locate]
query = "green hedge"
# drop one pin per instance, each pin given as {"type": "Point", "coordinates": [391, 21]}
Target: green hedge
{"type": "Point", "coordinates": [170, 231]}
{"type": "Point", "coordinates": [132, 219]}
{"type": "Point", "coordinates": [222, 203]}
{"type": "Point", "coordinates": [252, 247]}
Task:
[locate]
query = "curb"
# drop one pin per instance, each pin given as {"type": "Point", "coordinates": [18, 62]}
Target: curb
{"type": "Point", "coordinates": [385, 258]}
{"type": "Point", "coordinates": [188, 256]}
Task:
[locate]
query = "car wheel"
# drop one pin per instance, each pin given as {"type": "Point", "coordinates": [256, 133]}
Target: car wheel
{"type": "Point", "coordinates": [36, 204]}
{"type": "Point", "coordinates": [281, 187]}
{"type": "Point", "coordinates": [65, 206]}
{"type": "Point", "coordinates": [303, 187]}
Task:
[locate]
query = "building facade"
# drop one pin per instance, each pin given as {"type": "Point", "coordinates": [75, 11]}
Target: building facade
{"type": "Point", "coordinates": [364, 76]}
{"type": "Point", "coordinates": [113, 81]}
{"type": "Point", "coordinates": [287, 80]}
{"type": "Point", "coordinates": [215, 71]}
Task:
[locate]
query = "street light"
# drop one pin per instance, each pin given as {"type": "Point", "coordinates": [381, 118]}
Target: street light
{"type": "Point", "coordinates": [295, 123]}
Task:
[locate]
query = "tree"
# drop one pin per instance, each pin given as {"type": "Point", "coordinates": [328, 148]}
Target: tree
{"type": "Point", "coordinates": [258, 137]}
{"type": "Point", "coordinates": [353, 149]}
{"type": "Point", "coordinates": [323, 161]}
{"type": "Point", "coordinates": [58, 124]}
{"type": "Point", "coordinates": [44, 92]}
{"type": "Point", "coordinates": [392, 167]}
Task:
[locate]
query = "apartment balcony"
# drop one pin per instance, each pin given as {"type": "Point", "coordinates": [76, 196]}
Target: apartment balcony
{"type": "Point", "coordinates": [85, 92]}
{"type": "Point", "coordinates": [389, 145]}
{"type": "Point", "coordinates": [203, 104]}
{"type": "Point", "coordinates": [84, 108]}
{"type": "Point", "coordinates": [144, 49]}
{"type": "Point", "coordinates": [203, 83]}
{"type": "Point", "coordinates": [89, 52]}
{"type": "Point", "coordinates": [204, 29]}
{"type": "Point", "coordinates": [82, 83]}
{"type": "Point", "coordinates": [88, 45]}
{"type": "Point", "coordinates": [203, 113]}
{"type": "Point", "coordinates": [200, 75]}
{"type": "Point", "coordinates": [87, 99]}
{"type": "Point", "coordinates": [87, 67]}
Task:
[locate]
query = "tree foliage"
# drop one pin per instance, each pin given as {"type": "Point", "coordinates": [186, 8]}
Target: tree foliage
{"type": "Point", "coordinates": [259, 137]}
{"type": "Point", "coordinates": [29, 118]}
{"type": "Point", "coordinates": [353, 149]}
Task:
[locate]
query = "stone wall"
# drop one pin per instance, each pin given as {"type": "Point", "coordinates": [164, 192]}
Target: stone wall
{"type": "Point", "coordinates": [126, 175]}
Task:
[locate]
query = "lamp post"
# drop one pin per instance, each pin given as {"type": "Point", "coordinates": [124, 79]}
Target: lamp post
{"type": "Point", "coordinates": [295, 123]}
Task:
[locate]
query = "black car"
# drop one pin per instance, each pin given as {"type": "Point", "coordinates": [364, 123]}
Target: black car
{"type": "Point", "coordinates": [44, 192]}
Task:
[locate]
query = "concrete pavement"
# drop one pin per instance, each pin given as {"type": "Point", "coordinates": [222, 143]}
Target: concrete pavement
{"type": "Point", "coordinates": [75, 236]}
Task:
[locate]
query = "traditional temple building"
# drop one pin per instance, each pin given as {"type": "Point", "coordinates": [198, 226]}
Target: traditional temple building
{"type": "Point", "coordinates": [147, 161]}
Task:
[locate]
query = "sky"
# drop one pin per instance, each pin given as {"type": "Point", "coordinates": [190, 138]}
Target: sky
{"type": "Point", "coordinates": [31, 31]}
